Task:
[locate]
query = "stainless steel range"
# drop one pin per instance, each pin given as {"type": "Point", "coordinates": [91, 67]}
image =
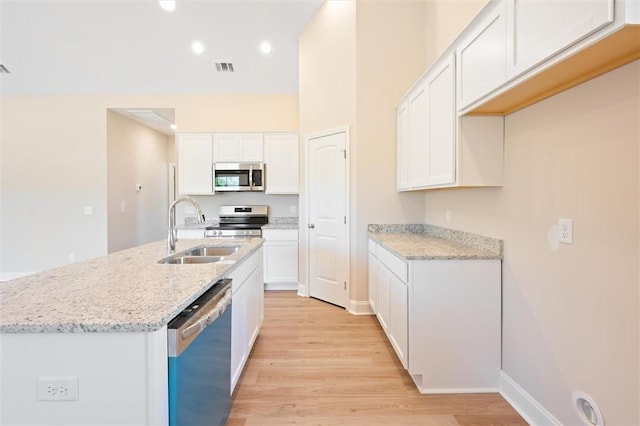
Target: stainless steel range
{"type": "Point", "coordinates": [239, 221]}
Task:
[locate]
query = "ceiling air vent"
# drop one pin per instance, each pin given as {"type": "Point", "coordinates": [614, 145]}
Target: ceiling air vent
{"type": "Point", "coordinates": [4, 70]}
{"type": "Point", "coordinates": [224, 66]}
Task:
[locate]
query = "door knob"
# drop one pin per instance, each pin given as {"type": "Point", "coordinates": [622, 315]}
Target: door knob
{"type": "Point", "coordinates": [311, 226]}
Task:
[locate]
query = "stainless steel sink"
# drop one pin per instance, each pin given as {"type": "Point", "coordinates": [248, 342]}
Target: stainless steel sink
{"type": "Point", "coordinates": [197, 255]}
{"type": "Point", "coordinates": [188, 260]}
{"type": "Point", "coordinates": [211, 251]}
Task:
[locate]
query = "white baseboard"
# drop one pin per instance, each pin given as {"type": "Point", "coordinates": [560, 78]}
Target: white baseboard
{"type": "Point", "coordinates": [281, 286]}
{"type": "Point", "coordinates": [530, 409]}
{"type": "Point", "coordinates": [7, 276]}
{"type": "Point", "coordinates": [302, 290]}
{"type": "Point", "coordinates": [357, 307]}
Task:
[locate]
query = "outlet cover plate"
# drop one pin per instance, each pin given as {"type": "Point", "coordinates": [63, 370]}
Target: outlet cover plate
{"type": "Point", "coordinates": [565, 231]}
{"type": "Point", "coordinates": [58, 388]}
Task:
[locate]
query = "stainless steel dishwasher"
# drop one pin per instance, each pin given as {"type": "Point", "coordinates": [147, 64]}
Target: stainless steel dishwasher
{"type": "Point", "coordinates": [200, 360]}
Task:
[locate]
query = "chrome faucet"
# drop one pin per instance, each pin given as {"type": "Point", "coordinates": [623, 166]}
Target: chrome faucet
{"type": "Point", "coordinates": [173, 233]}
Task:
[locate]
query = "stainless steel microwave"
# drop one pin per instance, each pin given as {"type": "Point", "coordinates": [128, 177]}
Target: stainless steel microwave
{"type": "Point", "coordinates": [234, 177]}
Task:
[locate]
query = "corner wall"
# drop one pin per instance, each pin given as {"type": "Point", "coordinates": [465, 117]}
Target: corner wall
{"type": "Point", "coordinates": [350, 76]}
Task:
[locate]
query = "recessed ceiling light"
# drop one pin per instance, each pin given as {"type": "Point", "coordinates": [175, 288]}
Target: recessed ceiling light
{"type": "Point", "coordinates": [168, 5]}
{"type": "Point", "coordinates": [197, 47]}
{"type": "Point", "coordinates": [265, 47]}
{"type": "Point", "coordinates": [173, 127]}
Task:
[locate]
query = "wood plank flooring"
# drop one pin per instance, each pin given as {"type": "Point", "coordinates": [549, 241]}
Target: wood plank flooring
{"type": "Point", "coordinates": [315, 364]}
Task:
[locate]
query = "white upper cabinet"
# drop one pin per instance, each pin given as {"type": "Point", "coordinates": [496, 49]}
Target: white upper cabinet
{"type": "Point", "coordinates": [482, 58]}
{"type": "Point", "coordinates": [238, 147]}
{"type": "Point", "coordinates": [281, 158]}
{"type": "Point", "coordinates": [195, 168]}
{"type": "Point", "coordinates": [435, 147]}
{"type": "Point", "coordinates": [538, 29]}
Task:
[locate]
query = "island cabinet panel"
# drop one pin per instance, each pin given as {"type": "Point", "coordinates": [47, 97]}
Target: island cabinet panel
{"type": "Point", "coordinates": [122, 377]}
{"type": "Point", "coordinates": [247, 312]}
{"type": "Point", "coordinates": [442, 318]}
{"type": "Point", "coordinates": [454, 325]}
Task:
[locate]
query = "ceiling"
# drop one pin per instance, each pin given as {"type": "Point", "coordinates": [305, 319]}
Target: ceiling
{"type": "Point", "coordinates": [135, 47]}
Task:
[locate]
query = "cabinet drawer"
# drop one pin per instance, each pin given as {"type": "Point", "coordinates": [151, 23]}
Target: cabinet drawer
{"type": "Point", "coordinates": [280, 234]}
{"type": "Point", "coordinates": [394, 263]}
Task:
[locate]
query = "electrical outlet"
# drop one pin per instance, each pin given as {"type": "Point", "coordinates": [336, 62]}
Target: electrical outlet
{"type": "Point", "coordinates": [565, 231]}
{"type": "Point", "coordinates": [293, 209]}
{"type": "Point", "coordinates": [447, 216]}
{"type": "Point", "coordinates": [57, 388]}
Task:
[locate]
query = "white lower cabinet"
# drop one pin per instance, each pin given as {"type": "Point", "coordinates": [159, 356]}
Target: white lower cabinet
{"type": "Point", "coordinates": [247, 312]}
{"type": "Point", "coordinates": [280, 259]}
{"type": "Point", "coordinates": [442, 318]}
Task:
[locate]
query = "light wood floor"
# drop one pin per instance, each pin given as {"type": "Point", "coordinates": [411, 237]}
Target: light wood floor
{"type": "Point", "coordinates": [315, 364]}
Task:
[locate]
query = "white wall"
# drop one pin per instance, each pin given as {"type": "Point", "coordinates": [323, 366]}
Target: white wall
{"type": "Point", "coordinates": [570, 312]}
{"type": "Point", "coordinates": [349, 76]}
{"type": "Point", "coordinates": [54, 163]}
{"type": "Point", "coordinates": [136, 154]}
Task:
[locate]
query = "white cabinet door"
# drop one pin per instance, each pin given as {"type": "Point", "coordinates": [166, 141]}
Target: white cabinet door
{"type": "Point", "coordinates": [398, 307]}
{"type": "Point", "coordinates": [539, 29]}
{"type": "Point", "coordinates": [237, 147]}
{"type": "Point", "coordinates": [383, 279]}
{"type": "Point", "coordinates": [195, 168]}
{"type": "Point", "coordinates": [281, 262]}
{"type": "Point", "coordinates": [281, 158]}
{"type": "Point", "coordinates": [482, 59]}
{"type": "Point", "coordinates": [418, 136]}
{"type": "Point", "coordinates": [403, 146]}
{"type": "Point", "coordinates": [373, 283]}
{"type": "Point", "coordinates": [441, 160]}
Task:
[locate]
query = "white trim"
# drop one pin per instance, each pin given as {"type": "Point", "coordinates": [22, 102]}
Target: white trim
{"type": "Point", "coordinates": [530, 409]}
{"type": "Point", "coordinates": [305, 290]}
{"type": "Point", "coordinates": [7, 276]}
{"type": "Point", "coordinates": [358, 307]}
{"type": "Point", "coordinates": [280, 286]}
{"type": "Point", "coordinates": [302, 290]}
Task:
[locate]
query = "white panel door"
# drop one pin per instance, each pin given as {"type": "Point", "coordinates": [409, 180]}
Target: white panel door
{"type": "Point", "coordinates": [195, 167]}
{"type": "Point", "coordinates": [482, 59]}
{"type": "Point", "coordinates": [418, 137]}
{"type": "Point", "coordinates": [402, 162]}
{"type": "Point", "coordinates": [227, 147]}
{"type": "Point", "coordinates": [540, 29]}
{"type": "Point", "coordinates": [398, 315]}
{"type": "Point", "coordinates": [281, 158]}
{"type": "Point", "coordinates": [328, 254]}
{"type": "Point", "coordinates": [373, 283]}
{"type": "Point", "coordinates": [441, 90]}
{"type": "Point", "coordinates": [252, 147]}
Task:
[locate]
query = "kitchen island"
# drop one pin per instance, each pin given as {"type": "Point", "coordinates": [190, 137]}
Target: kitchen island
{"type": "Point", "coordinates": [103, 321]}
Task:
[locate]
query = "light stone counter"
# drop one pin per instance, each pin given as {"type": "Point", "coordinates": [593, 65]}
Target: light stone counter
{"type": "Point", "coordinates": [127, 291]}
{"type": "Point", "coordinates": [428, 242]}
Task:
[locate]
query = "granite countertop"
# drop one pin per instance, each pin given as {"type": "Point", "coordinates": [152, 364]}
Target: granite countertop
{"type": "Point", "coordinates": [428, 242]}
{"type": "Point", "coordinates": [280, 226]}
{"type": "Point", "coordinates": [126, 291]}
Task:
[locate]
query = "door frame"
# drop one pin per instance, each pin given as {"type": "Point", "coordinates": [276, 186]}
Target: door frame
{"type": "Point", "coordinates": [307, 139]}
